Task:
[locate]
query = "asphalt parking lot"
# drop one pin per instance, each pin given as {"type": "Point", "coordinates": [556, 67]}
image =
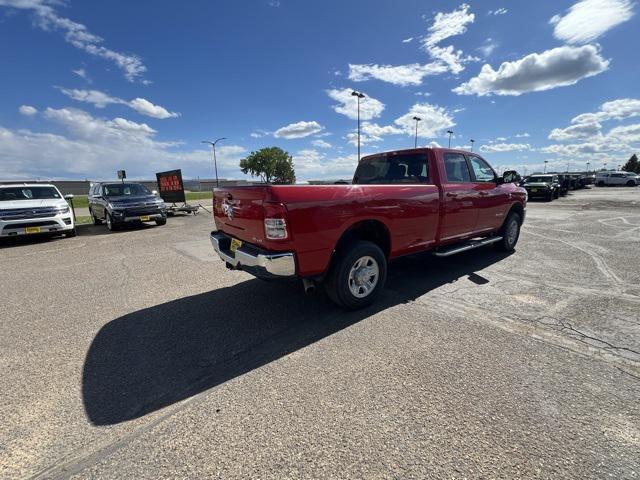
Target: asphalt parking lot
{"type": "Point", "coordinates": [138, 355]}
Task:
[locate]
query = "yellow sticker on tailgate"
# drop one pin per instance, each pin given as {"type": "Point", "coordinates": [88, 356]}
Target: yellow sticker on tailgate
{"type": "Point", "coordinates": [145, 218]}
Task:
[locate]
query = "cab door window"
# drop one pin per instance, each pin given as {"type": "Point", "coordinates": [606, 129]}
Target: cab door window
{"type": "Point", "coordinates": [481, 170]}
{"type": "Point", "coordinates": [455, 165]}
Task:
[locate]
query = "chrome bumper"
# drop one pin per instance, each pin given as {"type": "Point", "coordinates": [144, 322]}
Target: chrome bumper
{"type": "Point", "coordinates": [280, 264]}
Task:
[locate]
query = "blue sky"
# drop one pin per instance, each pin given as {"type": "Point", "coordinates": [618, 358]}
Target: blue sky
{"type": "Point", "coordinates": [92, 87]}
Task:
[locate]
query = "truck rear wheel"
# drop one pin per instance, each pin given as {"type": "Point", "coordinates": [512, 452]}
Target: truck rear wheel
{"type": "Point", "coordinates": [357, 275]}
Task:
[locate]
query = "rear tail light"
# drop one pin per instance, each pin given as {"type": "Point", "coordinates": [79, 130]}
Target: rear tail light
{"type": "Point", "coordinates": [275, 221]}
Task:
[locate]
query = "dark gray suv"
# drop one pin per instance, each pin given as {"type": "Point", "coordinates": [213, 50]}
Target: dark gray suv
{"type": "Point", "coordinates": [121, 203]}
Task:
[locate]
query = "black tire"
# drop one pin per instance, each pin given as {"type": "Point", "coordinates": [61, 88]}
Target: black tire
{"type": "Point", "coordinates": [549, 197]}
{"type": "Point", "coordinates": [601, 183]}
{"type": "Point", "coordinates": [111, 225]}
{"type": "Point", "coordinates": [96, 220]}
{"type": "Point", "coordinates": [161, 221]}
{"type": "Point", "coordinates": [631, 183]}
{"type": "Point", "coordinates": [556, 195]}
{"type": "Point", "coordinates": [509, 238]}
{"type": "Point", "coordinates": [71, 233]}
{"type": "Point", "coordinates": [340, 283]}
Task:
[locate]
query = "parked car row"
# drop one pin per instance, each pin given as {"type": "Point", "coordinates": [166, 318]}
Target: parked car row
{"type": "Point", "coordinates": [550, 186]}
{"type": "Point", "coordinates": [28, 209]}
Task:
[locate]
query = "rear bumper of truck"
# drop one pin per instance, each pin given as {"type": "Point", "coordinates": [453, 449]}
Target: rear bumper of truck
{"type": "Point", "coordinates": [252, 259]}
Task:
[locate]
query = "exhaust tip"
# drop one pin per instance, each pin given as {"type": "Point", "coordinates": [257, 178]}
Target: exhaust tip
{"type": "Point", "coordinates": [309, 286]}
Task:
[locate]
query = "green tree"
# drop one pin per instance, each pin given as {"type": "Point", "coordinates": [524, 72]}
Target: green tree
{"type": "Point", "coordinates": [632, 165]}
{"type": "Point", "coordinates": [271, 164]}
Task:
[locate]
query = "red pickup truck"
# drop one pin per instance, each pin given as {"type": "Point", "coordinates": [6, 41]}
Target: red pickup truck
{"type": "Point", "coordinates": [342, 236]}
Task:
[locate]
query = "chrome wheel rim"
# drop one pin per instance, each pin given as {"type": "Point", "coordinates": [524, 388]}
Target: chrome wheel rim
{"type": "Point", "coordinates": [109, 224]}
{"type": "Point", "coordinates": [363, 276]}
{"type": "Point", "coordinates": [512, 232]}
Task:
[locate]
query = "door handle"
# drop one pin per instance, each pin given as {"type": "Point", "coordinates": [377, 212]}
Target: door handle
{"type": "Point", "coordinates": [452, 194]}
{"type": "Point", "coordinates": [484, 193]}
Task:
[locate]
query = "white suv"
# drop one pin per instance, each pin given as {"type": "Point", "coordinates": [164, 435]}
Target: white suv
{"type": "Point", "coordinates": [34, 208]}
{"type": "Point", "coordinates": [629, 179]}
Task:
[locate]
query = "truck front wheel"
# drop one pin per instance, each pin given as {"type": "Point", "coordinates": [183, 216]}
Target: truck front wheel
{"type": "Point", "coordinates": [510, 233]}
{"type": "Point", "coordinates": [357, 275]}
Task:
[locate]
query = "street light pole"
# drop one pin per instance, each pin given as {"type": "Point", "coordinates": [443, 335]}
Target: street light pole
{"type": "Point", "coordinates": [450, 133]}
{"type": "Point", "coordinates": [215, 162]}
{"type": "Point", "coordinates": [472, 142]}
{"type": "Point", "coordinates": [545, 165]}
{"type": "Point", "coordinates": [588, 163]}
{"type": "Point", "coordinates": [358, 95]}
{"type": "Point", "coordinates": [415, 144]}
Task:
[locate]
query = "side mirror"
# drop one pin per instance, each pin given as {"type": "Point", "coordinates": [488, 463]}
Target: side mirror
{"type": "Point", "coordinates": [69, 196]}
{"type": "Point", "coordinates": [154, 192]}
{"type": "Point", "coordinates": [510, 176]}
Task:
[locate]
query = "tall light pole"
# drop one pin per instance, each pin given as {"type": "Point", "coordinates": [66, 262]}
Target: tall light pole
{"type": "Point", "coordinates": [472, 142]}
{"type": "Point", "coordinates": [545, 165]}
{"type": "Point", "coordinates": [215, 162]}
{"type": "Point", "coordinates": [450, 133]}
{"type": "Point", "coordinates": [415, 144]}
{"type": "Point", "coordinates": [605, 165]}
{"type": "Point", "coordinates": [588, 163]}
{"type": "Point", "coordinates": [358, 95]}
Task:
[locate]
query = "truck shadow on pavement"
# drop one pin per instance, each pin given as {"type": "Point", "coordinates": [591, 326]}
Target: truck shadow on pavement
{"type": "Point", "coordinates": [155, 357]}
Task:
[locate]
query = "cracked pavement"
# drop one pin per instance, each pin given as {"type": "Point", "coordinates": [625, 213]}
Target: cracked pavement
{"type": "Point", "coordinates": [137, 354]}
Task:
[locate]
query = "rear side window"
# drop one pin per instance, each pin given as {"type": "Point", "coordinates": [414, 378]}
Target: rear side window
{"type": "Point", "coordinates": [457, 169]}
{"type": "Point", "coordinates": [386, 170]}
{"type": "Point", "coordinates": [481, 170]}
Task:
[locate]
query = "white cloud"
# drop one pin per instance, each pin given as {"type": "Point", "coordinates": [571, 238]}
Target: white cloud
{"type": "Point", "coordinates": [145, 107]}
{"type": "Point", "coordinates": [447, 25]}
{"type": "Point", "coordinates": [259, 133]}
{"type": "Point", "coordinates": [435, 120]}
{"type": "Point", "coordinates": [97, 98]}
{"type": "Point", "coordinates": [372, 133]}
{"type": "Point", "coordinates": [407, 40]}
{"type": "Point", "coordinates": [587, 20]}
{"type": "Point", "coordinates": [100, 100]}
{"type": "Point", "coordinates": [402, 75]}
{"type": "Point", "coordinates": [454, 60]}
{"type": "Point", "coordinates": [488, 47]}
{"type": "Point", "coordinates": [505, 147]}
{"type": "Point", "coordinates": [321, 144]}
{"type": "Point", "coordinates": [348, 104]}
{"type": "Point", "coordinates": [78, 35]}
{"type": "Point", "coordinates": [311, 164]}
{"type": "Point", "coordinates": [628, 134]}
{"type": "Point", "coordinates": [537, 72]}
{"type": "Point", "coordinates": [95, 148]}
{"type": "Point", "coordinates": [27, 110]}
{"type": "Point", "coordinates": [82, 73]}
{"type": "Point", "coordinates": [298, 130]}
{"type": "Point", "coordinates": [499, 11]}
{"type": "Point", "coordinates": [445, 58]}
{"type": "Point", "coordinates": [575, 132]}
{"type": "Point", "coordinates": [613, 110]}
{"type": "Point", "coordinates": [522, 135]}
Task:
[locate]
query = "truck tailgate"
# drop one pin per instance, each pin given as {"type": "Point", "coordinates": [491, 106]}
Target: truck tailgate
{"type": "Point", "coordinates": [238, 211]}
